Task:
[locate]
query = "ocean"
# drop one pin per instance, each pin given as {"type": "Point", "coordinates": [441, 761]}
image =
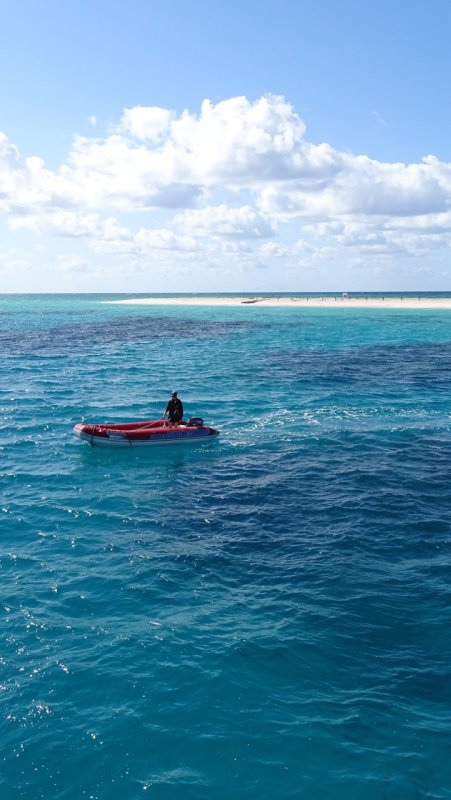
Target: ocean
{"type": "Point", "coordinates": [264, 616]}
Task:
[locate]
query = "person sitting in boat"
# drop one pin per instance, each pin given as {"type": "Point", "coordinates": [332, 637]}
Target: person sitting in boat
{"type": "Point", "coordinates": [175, 409]}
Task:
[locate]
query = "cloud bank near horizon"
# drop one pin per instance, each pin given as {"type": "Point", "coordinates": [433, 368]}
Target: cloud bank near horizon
{"type": "Point", "coordinates": [239, 181]}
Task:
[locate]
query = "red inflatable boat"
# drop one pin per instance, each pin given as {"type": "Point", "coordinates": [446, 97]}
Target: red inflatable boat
{"type": "Point", "coordinates": [133, 434]}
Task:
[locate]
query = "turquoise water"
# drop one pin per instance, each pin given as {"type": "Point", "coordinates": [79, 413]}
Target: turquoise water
{"type": "Point", "coordinates": [263, 616]}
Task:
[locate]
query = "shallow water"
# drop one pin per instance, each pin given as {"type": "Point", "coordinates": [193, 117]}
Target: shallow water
{"type": "Point", "coordinates": [263, 616]}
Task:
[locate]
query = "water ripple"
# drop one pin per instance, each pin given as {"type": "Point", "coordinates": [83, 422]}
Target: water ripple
{"type": "Point", "coordinates": [265, 616]}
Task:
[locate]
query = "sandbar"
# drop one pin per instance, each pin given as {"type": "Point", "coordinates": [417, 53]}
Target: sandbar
{"type": "Point", "coordinates": [338, 301]}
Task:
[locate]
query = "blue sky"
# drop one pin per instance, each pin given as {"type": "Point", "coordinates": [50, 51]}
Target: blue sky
{"type": "Point", "coordinates": [246, 146]}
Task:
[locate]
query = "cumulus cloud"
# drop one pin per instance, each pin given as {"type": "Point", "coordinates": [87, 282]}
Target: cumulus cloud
{"type": "Point", "coordinates": [73, 225]}
{"type": "Point", "coordinates": [229, 179]}
{"type": "Point", "coordinates": [146, 123]}
{"type": "Point", "coordinates": [26, 185]}
{"type": "Point", "coordinates": [155, 159]}
{"type": "Point", "coordinates": [364, 187]}
{"type": "Point", "coordinates": [221, 220]}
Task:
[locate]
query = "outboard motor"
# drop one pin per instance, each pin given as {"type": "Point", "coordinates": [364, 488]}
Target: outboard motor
{"type": "Point", "coordinates": [196, 422]}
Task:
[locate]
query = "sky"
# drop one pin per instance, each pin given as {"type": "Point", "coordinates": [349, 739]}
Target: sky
{"type": "Point", "coordinates": [247, 146]}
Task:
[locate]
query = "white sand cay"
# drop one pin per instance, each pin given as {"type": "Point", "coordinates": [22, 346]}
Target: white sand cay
{"type": "Point", "coordinates": [296, 302]}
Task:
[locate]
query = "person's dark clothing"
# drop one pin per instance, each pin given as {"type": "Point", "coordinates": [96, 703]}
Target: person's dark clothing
{"type": "Point", "coordinates": [175, 409]}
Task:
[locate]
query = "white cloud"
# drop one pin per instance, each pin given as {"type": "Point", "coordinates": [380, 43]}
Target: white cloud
{"type": "Point", "coordinates": [26, 185]}
{"type": "Point", "coordinates": [285, 251]}
{"type": "Point", "coordinates": [73, 225]}
{"type": "Point", "coordinates": [364, 187]}
{"type": "Point", "coordinates": [11, 265]}
{"type": "Point", "coordinates": [72, 263]}
{"type": "Point", "coordinates": [228, 181]}
{"type": "Point", "coordinates": [149, 241]}
{"type": "Point", "coordinates": [146, 123]}
{"type": "Point", "coordinates": [379, 119]}
{"type": "Point", "coordinates": [156, 159]}
{"type": "Point", "coordinates": [221, 220]}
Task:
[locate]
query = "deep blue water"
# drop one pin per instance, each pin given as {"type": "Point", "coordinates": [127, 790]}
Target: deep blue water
{"type": "Point", "coordinates": [266, 616]}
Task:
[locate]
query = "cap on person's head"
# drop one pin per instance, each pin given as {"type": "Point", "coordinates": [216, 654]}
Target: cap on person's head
{"type": "Point", "coordinates": [174, 394]}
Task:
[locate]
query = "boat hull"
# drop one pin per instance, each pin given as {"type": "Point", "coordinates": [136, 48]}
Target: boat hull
{"type": "Point", "coordinates": [143, 434]}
